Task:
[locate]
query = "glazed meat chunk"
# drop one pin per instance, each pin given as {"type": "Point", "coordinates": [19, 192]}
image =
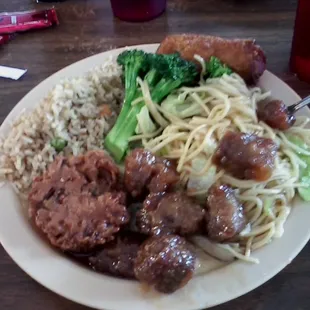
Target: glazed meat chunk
{"type": "Point", "coordinates": [117, 257]}
{"type": "Point", "coordinates": [275, 114]}
{"type": "Point", "coordinates": [99, 170]}
{"type": "Point", "coordinates": [170, 213]}
{"type": "Point", "coordinates": [224, 214]}
{"type": "Point", "coordinates": [94, 172]}
{"type": "Point", "coordinates": [147, 172]}
{"type": "Point", "coordinates": [165, 262]}
{"type": "Point", "coordinates": [242, 56]}
{"type": "Point", "coordinates": [75, 203]}
{"type": "Point", "coordinates": [246, 156]}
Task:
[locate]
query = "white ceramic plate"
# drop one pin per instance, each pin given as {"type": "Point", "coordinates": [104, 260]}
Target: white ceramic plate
{"type": "Point", "coordinates": [81, 285]}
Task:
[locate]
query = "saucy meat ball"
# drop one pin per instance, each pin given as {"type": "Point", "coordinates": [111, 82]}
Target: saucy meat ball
{"type": "Point", "coordinates": [145, 171]}
{"type": "Point", "coordinates": [165, 262]}
{"type": "Point", "coordinates": [75, 202]}
{"type": "Point", "coordinates": [117, 257]}
{"type": "Point", "coordinates": [170, 213]}
{"type": "Point", "coordinates": [275, 114]}
{"type": "Point", "coordinates": [246, 156]}
{"type": "Point", "coordinates": [224, 213]}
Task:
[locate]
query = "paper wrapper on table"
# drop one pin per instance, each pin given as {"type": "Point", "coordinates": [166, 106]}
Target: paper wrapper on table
{"type": "Point", "coordinates": [24, 21]}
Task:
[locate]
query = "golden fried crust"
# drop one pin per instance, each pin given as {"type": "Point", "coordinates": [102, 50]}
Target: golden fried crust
{"type": "Point", "coordinates": [242, 56]}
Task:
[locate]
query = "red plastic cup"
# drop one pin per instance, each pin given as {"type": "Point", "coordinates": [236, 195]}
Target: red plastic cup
{"type": "Point", "coordinates": [300, 54]}
{"type": "Point", "coordinates": [138, 10]}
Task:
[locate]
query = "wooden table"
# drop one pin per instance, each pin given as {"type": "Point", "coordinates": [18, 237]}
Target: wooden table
{"type": "Point", "coordinates": [87, 27]}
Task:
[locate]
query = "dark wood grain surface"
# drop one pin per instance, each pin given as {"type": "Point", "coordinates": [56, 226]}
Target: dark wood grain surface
{"type": "Point", "coordinates": [88, 27]}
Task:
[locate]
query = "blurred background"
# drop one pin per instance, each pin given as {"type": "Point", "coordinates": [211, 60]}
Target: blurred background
{"type": "Point", "coordinates": [88, 27]}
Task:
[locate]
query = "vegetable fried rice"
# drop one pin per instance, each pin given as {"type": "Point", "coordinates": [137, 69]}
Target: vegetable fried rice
{"type": "Point", "coordinates": [72, 119]}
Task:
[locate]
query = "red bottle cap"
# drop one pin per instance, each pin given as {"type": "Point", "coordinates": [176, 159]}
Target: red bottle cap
{"type": "Point", "coordinates": [24, 21]}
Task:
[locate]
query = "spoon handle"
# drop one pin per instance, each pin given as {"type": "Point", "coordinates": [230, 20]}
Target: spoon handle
{"type": "Point", "coordinates": [299, 105]}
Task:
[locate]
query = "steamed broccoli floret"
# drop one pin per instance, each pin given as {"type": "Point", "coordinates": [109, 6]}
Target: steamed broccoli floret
{"type": "Point", "coordinates": [176, 73]}
{"type": "Point", "coordinates": [186, 107]}
{"type": "Point", "coordinates": [215, 68]}
{"type": "Point", "coordinates": [134, 63]}
{"type": "Point", "coordinates": [163, 73]}
{"type": "Point", "coordinates": [157, 65]}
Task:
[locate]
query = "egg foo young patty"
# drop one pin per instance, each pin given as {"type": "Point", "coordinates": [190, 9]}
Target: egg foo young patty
{"type": "Point", "coordinates": [76, 204]}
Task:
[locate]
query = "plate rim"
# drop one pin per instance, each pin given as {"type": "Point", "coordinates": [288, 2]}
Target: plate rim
{"type": "Point", "coordinates": [48, 83]}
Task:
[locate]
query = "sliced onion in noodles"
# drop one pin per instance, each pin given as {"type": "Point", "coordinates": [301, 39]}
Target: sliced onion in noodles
{"type": "Point", "coordinates": [197, 183]}
{"type": "Point", "coordinates": [246, 230]}
{"type": "Point", "coordinates": [206, 263]}
{"type": "Point", "coordinates": [280, 221]}
{"type": "Point", "coordinates": [213, 249]}
{"type": "Point", "coordinates": [145, 123]}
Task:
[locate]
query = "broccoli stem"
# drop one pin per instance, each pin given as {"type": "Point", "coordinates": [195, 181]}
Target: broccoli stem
{"type": "Point", "coordinates": [163, 88]}
{"type": "Point", "coordinates": [163, 74]}
{"type": "Point", "coordinates": [125, 126]}
{"type": "Point", "coordinates": [117, 140]}
{"type": "Point", "coordinates": [131, 74]}
{"type": "Point", "coordinates": [152, 77]}
{"type": "Point", "coordinates": [121, 118]}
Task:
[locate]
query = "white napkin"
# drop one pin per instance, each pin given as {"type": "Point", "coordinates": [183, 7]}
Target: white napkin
{"type": "Point", "coordinates": [11, 73]}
